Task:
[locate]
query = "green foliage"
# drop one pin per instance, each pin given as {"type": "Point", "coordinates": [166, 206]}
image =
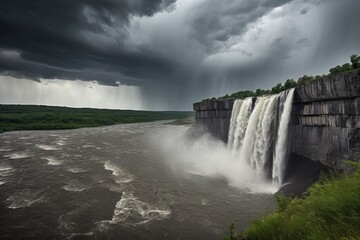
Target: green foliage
{"type": "Point", "coordinates": [305, 80]}
{"type": "Point", "coordinates": [277, 89]}
{"type": "Point", "coordinates": [355, 64]}
{"type": "Point", "coordinates": [319, 77]}
{"type": "Point", "coordinates": [232, 234]}
{"type": "Point", "coordinates": [339, 69]}
{"type": "Point", "coordinates": [29, 117]}
{"type": "Point", "coordinates": [355, 61]}
{"type": "Point", "coordinates": [291, 83]}
{"type": "Point", "coordinates": [282, 201]}
{"type": "Point", "coordinates": [330, 211]}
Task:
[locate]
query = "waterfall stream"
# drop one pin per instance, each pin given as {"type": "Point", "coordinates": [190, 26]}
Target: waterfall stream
{"type": "Point", "coordinates": [281, 147]}
{"type": "Point", "coordinates": [259, 134]}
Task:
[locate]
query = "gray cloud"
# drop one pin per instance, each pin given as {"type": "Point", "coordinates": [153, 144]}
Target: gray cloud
{"type": "Point", "coordinates": [179, 51]}
{"type": "Point", "coordinates": [304, 11]}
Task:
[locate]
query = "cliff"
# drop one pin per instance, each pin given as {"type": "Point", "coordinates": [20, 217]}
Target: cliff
{"type": "Point", "coordinates": [325, 123]}
{"type": "Point", "coordinates": [214, 116]}
{"type": "Point", "coordinates": [326, 119]}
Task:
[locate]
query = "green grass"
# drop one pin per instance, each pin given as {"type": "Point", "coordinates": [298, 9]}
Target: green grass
{"type": "Point", "coordinates": [31, 117]}
{"type": "Point", "coordinates": [331, 210]}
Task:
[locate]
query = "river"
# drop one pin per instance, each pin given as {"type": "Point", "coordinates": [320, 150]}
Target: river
{"type": "Point", "coordinates": [117, 182]}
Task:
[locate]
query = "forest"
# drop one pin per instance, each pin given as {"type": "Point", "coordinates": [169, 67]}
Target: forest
{"type": "Point", "coordinates": [32, 117]}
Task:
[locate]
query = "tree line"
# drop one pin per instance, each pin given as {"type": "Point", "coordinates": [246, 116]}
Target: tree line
{"type": "Point", "coordinates": [32, 117]}
{"type": "Point", "coordinates": [291, 83]}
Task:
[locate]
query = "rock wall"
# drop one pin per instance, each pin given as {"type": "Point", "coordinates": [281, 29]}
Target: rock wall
{"type": "Point", "coordinates": [326, 119]}
{"type": "Point", "coordinates": [214, 116]}
{"type": "Point", "coordinates": [325, 124]}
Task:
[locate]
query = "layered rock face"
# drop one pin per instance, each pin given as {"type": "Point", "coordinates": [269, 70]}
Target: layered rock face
{"type": "Point", "coordinates": [325, 123]}
{"type": "Point", "coordinates": [326, 119]}
{"type": "Point", "coordinates": [215, 116]}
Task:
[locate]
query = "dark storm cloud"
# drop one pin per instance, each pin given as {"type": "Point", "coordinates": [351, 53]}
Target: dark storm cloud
{"type": "Point", "coordinates": [52, 37]}
{"type": "Point", "coordinates": [47, 32]}
{"type": "Point", "coordinates": [177, 51]}
{"type": "Point", "coordinates": [216, 21]}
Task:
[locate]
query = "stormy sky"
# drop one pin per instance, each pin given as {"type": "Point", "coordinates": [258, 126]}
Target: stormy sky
{"type": "Point", "coordinates": [165, 54]}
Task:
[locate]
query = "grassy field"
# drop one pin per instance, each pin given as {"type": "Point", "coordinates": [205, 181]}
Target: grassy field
{"type": "Point", "coordinates": [330, 211]}
{"type": "Point", "coordinates": [31, 117]}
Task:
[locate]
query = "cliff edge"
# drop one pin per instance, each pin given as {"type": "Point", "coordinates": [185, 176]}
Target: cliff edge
{"type": "Point", "coordinates": [325, 121]}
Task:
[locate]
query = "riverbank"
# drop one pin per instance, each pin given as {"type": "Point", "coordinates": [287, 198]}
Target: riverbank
{"type": "Point", "coordinates": [330, 210]}
{"type": "Point", "coordinates": [183, 121]}
{"type": "Point", "coordinates": [33, 117]}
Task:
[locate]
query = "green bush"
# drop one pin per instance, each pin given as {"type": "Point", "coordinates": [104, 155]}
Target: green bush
{"type": "Point", "coordinates": [330, 211]}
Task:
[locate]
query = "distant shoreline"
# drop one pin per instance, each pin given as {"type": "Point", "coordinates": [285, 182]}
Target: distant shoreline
{"type": "Point", "coordinates": [182, 121]}
{"type": "Point", "coordinates": [34, 117]}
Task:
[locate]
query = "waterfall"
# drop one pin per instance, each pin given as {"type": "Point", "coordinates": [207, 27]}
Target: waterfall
{"type": "Point", "coordinates": [258, 136]}
{"type": "Point", "coordinates": [281, 147]}
{"type": "Point", "coordinates": [251, 131]}
{"type": "Point", "coordinates": [264, 134]}
{"type": "Point", "coordinates": [233, 123]}
{"type": "Point", "coordinates": [242, 120]}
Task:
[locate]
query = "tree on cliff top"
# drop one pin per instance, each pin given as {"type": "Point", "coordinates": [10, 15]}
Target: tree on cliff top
{"type": "Point", "coordinates": [355, 61]}
{"type": "Point", "coordinates": [291, 83]}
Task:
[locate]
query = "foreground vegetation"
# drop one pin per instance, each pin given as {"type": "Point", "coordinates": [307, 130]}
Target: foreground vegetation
{"type": "Point", "coordinates": [30, 117]}
{"type": "Point", "coordinates": [291, 83]}
{"type": "Point", "coordinates": [331, 210]}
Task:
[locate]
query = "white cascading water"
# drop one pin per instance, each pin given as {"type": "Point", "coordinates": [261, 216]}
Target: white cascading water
{"type": "Point", "coordinates": [281, 147]}
{"type": "Point", "coordinates": [253, 132]}
{"type": "Point", "coordinates": [264, 134]}
{"type": "Point", "coordinates": [241, 121]}
{"type": "Point", "coordinates": [233, 123]}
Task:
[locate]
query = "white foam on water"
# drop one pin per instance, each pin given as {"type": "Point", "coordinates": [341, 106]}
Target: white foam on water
{"type": "Point", "coordinates": [74, 235]}
{"type": "Point", "coordinates": [66, 225]}
{"type": "Point", "coordinates": [76, 170]}
{"type": "Point", "coordinates": [5, 171]}
{"type": "Point", "coordinates": [5, 149]}
{"type": "Point", "coordinates": [5, 168]}
{"type": "Point", "coordinates": [61, 142]}
{"type": "Point", "coordinates": [196, 172]}
{"type": "Point", "coordinates": [24, 198]}
{"type": "Point", "coordinates": [47, 147]}
{"type": "Point", "coordinates": [121, 176]}
{"type": "Point", "coordinates": [89, 146]}
{"type": "Point", "coordinates": [18, 155]}
{"type": "Point", "coordinates": [259, 187]}
{"type": "Point", "coordinates": [52, 161]}
{"type": "Point", "coordinates": [2, 183]}
{"type": "Point", "coordinates": [75, 187]}
{"type": "Point", "coordinates": [131, 210]}
{"type": "Point", "coordinates": [204, 202]}
{"type": "Point", "coordinates": [25, 138]}
{"type": "Point", "coordinates": [114, 188]}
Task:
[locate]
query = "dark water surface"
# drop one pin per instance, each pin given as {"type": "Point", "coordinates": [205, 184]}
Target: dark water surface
{"type": "Point", "coordinates": [110, 183]}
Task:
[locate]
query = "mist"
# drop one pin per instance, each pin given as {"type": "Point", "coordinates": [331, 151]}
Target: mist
{"type": "Point", "coordinates": [209, 157]}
